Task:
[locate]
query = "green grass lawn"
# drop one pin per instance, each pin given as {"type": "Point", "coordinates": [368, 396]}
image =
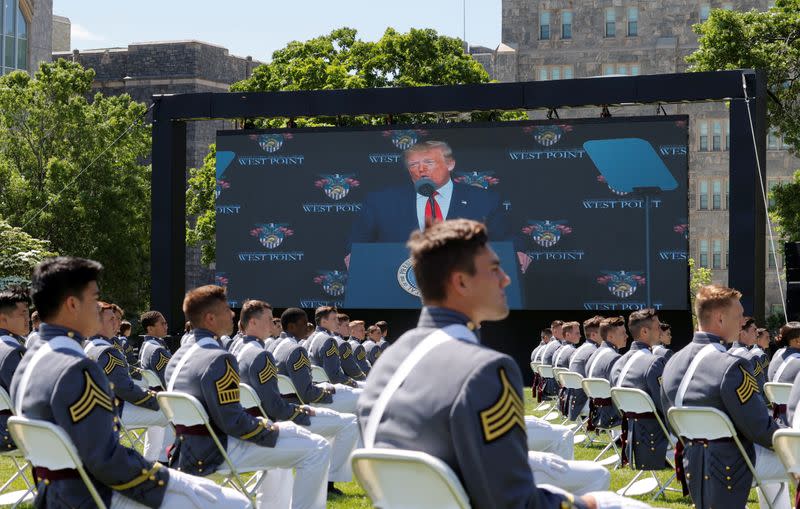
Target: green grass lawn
{"type": "Point", "coordinates": [354, 496]}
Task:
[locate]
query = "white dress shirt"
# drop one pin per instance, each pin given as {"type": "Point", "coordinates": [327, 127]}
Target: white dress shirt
{"type": "Point", "coordinates": [443, 199]}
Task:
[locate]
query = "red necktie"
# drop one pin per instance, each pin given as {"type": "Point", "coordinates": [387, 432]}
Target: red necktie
{"type": "Point", "coordinates": [432, 210]}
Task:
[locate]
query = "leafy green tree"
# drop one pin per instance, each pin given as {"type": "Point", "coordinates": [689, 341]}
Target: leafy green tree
{"type": "Point", "coordinates": [71, 172]}
{"type": "Point", "coordinates": [786, 211]}
{"type": "Point", "coordinates": [19, 254]}
{"type": "Point", "coordinates": [339, 60]}
{"type": "Point", "coordinates": [698, 277]}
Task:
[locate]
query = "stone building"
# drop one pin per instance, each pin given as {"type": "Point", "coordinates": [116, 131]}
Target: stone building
{"type": "Point", "coordinates": [25, 34]}
{"type": "Point", "coordinates": [563, 39]}
{"type": "Point", "coordinates": [171, 67]}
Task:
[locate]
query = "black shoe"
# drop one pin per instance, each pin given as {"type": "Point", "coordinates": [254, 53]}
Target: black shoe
{"type": "Point", "coordinates": [333, 490]}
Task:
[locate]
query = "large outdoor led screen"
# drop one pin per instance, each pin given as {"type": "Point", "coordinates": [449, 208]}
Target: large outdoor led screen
{"type": "Point", "coordinates": [584, 214]}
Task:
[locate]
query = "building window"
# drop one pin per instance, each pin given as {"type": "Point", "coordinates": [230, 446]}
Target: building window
{"type": "Point", "coordinates": [703, 195]}
{"type": "Point", "coordinates": [543, 76]}
{"type": "Point", "coordinates": [544, 25]}
{"type": "Point", "coordinates": [727, 134]}
{"type": "Point", "coordinates": [773, 143]}
{"type": "Point", "coordinates": [727, 194]}
{"type": "Point", "coordinates": [716, 140]}
{"type": "Point", "coordinates": [716, 196]}
{"type": "Point", "coordinates": [13, 37]}
{"type": "Point", "coordinates": [716, 260]}
{"type": "Point", "coordinates": [622, 69]}
{"type": "Point", "coordinates": [608, 69]}
{"type": "Point", "coordinates": [568, 72]}
{"type": "Point", "coordinates": [634, 70]}
{"type": "Point", "coordinates": [727, 6]}
{"type": "Point", "coordinates": [703, 253]}
{"type": "Point", "coordinates": [555, 72]}
{"type": "Point", "coordinates": [611, 22]}
{"type": "Point", "coordinates": [566, 24]}
{"type": "Point", "coordinates": [633, 22]}
{"type": "Point", "coordinates": [705, 11]}
{"type": "Point", "coordinates": [770, 256]}
{"type": "Point", "coordinates": [771, 183]}
{"type": "Point", "coordinates": [703, 136]}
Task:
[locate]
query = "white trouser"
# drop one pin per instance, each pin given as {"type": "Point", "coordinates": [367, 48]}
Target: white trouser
{"type": "Point", "coordinates": [769, 467]}
{"type": "Point", "coordinates": [576, 477]}
{"type": "Point", "coordinates": [184, 490]}
{"type": "Point", "coordinates": [159, 433]}
{"type": "Point", "coordinates": [345, 399]}
{"type": "Point", "coordinates": [546, 437]}
{"type": "Point", "coordinates": [341, 430]}
{"type": "Point", "coordinates": [298, 448]}
{"type": "Point", "coordinates": [361, 383]}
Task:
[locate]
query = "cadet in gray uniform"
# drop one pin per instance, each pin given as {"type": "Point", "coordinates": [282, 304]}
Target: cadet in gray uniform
{"type": "Point", "coordinates": [154, 354]}
{"type": "Point", "coordinates": [793, 406]}
{"type": "Point", "coordinates": [138, 407]}
{"type": "Point", "coordinates": [664, 341]}
{"type": "Point", "coordinates": [349, 364]}
{"type": "Point", "coordinates": [704, 374]}
{"type": "Point", "coordinates": [210, 373]}
{"type": "Point", "coordinates": [384, 331]}
{"type": "Point", "coordinates": [790, 360]}
{"type": "Point", "coordinates": [76, 396]}
{"type": "Point", "coordinates": [257, 368]}
{"type": "Point", "coordinates": [472, 419]}
{"type": "Point", "coordinates": [643, 441]}
{"type": "Point", "coordinates": [572, 335]}
{"type": "Point", "coordinates": [371, 347]}
{"type": "Point", "coordinates": [549, 388]}
{"type": "Point", "coordinates": [602, 412]}
{"type": "Point", "coordinates": [743, 347]}
{"type": "Point", "coordinates": [323, 348]}
{"type": "Point", "coordinates": [293, 362]}
{"type": "Point", "coordinates": [578, 402]}
{"type": "Point", "coordinates": [14, 304]}
{"type": "Point", "coordinates": [357, 333]}
{"type": "Point", "coordinates": [777, 360]}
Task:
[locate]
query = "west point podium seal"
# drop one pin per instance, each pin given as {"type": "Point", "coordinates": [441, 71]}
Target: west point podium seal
{"type": "Point", "coordinates": [406, 279]}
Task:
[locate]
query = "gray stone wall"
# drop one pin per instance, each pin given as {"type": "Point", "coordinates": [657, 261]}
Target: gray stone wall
{"type": "Point", "coordinates": [40, 33]}
{"type": "Point", "coordinates": [62, 38]}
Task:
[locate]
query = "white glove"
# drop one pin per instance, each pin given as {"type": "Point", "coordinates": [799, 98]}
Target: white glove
{"type": "Point", "coordinates": [610, 500]}
{"type": "Point", "coordinates": [546, 461]}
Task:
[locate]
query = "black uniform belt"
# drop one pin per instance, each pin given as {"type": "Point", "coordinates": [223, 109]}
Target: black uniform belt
{"type": "Point", "coordinates": [46, 474]}
{"type": "Point", "coordinates": [594, 405]}
{"type": "Point", "coordinates": [254, 411]}
{"type": "Point", "coordinates": [778, 410]}
{"type": "Point", "coordinates": [198, 430]}
{"type": "Point", "coordinates": [9, 413]}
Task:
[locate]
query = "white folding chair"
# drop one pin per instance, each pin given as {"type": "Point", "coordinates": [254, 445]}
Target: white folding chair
{"type": "Point", "coordinates": [185, 410]}
{"type": "Point", "coordinates": [707, 423]}
{"type": "Point", "coordinates": [546, 372]}
{"type": "Point", "coordinates": [786, 443]}
{"type": "Point", "coordinates": [47, 446]}
{"type": "Point", "coordinates": [249, 398]}
{"type": "Point", "coordinates": [600, 388]}
{"type": "Point", "coordinates": [16, 497]}
{"type": "Point", "coordinates": [318, 374]}
{"type": "Point", "coordinates": [286, 387]}
{"type": "Point", "coordinates": [544, 405]}
{"type": "Point", "coordinates": [150, 379]}
{"type": "Point", "coordinates": [630, 400]}
{"type": "Point", "coordinates": [777, 393]}
{"type": "Point", "coordinates": [387, 474]}
{"type": "Point", "coordinates": [572, 381]}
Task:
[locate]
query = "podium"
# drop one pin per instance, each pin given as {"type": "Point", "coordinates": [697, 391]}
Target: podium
{"type": "Point", "coordinates": [381, 276]}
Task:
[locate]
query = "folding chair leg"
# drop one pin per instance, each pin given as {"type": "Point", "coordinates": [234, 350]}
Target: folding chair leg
{"type": "Point", "coordinates": [665, 487]}
{"type": "Point", "coordinates": [627, 486]}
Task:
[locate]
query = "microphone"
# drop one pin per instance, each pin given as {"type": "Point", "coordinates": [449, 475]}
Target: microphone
{"type": "Point", "coordinates": [425, 187]}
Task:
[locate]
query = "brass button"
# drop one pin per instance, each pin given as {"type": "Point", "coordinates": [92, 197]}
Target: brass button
{"type": "Point", "coordinates": [688, 475]}
{"type": "Point", "coordinates": [152, 478]}
{"type": "Point", "coordinates": [705, 445]}
{"type": "Point", "coordinates": [652, 448]}
{"type": "Point", "coordinates": [199, 462]}
{"type": "Point", "coordinates": [144, 471]}
{"type": "Point", "coordinates": [199, 469]}
{"type": "Point", "coordinates": [727, 467]}
{"type": "Point", "coordinates": [727, 478]}
{"type": "Point", "coordinates": [729, 488]}
{"type": "Point", "coordinates": [161, 483]}
{"type": "Point", "coordinates": [47, 482]}
{"type": "Point", "coordinates": [705, 477]}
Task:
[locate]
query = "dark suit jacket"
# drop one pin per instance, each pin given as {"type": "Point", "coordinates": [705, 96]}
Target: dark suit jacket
{"type": "Point", "coordinates": [390, 215]}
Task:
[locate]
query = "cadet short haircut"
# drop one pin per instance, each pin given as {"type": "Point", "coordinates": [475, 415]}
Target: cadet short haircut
{"type": "Point", "coordinates": [592, 324]}
{"type": "Point", "coordinates": [640, 319]}
{"type": "Point", "coordinates": [276, 320]}
{"type": "Point", "coordinates": [34, 316]}
{"type": "Point", "coordinates": [149, 319]}
{"type": "Point", "coordinates": [570, 326]}
{"type": "Point", "coordinates": [252, 309]}
{"type": "Point", "coordinates": [610, 323]}
{"type": "Point", "coordinates": [748, 321]}
{"type": "Point", "coordinates": [342, 318]}
{"type": "Point", "coordinates": [201, 300]}
{"type": "Point", "coordinates": [444, 248]}
{"type": "Point", "coordinates": [56, 279]}
{"type": "Point", "coordinates": [790, 331]}
{"type": "Point", "coordinates": [124, 325]}
{"type": "Point", "coordinates": [293, 315]}
{"type": "Point", "coordinates": [322, 312]}
{"type": "Point", "coordinates": [665, 327]}
{"type": "Point", "coordinates": [356, 323]}
{"type": "Point", "coordinates": [712, 298]}
{"type": "Point", "coordinates": [118, 311]}
{"type": "Point", "coordinates": [556, 323]}
{"type": "Point", "coordinates": [372, 328]}
{"type": "Point", "coordinates": [11, 296]}
{"type": "Point", "coordinates": [761, 331]}
{"type": "Point", "coordinates": [383, 326]}
{"type": "Point", "coordinates": [547, 331]}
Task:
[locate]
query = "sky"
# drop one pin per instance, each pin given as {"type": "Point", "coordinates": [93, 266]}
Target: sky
{"type": "Point", "coordinates": [259, 27]}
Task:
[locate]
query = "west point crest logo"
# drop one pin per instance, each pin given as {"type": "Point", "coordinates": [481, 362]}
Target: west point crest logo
{"type": "Point", "coordinates": [546, 233]}
{"type": "Point", "coordinates": [271, 235]}
{"type": "Point", "coordinates": [622, 283]}
{"type": "Point", "coordinates": [333, 282]}
{"type": "Point", "coordinates": [547, 135]}
{"type": "Point", "coordinates": [221, 279]}
{"type": "Point", "coordinates": [221, 185]}
{"type": "Point", "coordinates": [404, 139]}
{"type": "Point", "coordinates": [271, 143]}
{"type": "Point", "coordinates": [337, 185]}
{"type": "Point", "coordinates": [682, 229]}
{"type": "Point", "coordinates": [602, 180]}
{"type": "Point", "coordinates": [481, 179]}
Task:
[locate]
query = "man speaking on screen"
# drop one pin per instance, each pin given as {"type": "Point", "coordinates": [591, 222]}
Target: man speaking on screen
{"type": "Point", "coordinates": [389, 215]}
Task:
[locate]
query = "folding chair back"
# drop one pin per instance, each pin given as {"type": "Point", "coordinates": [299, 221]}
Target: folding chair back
{"type": "Point", "coordinates": [386, 474]}
{"type": "Point", "coordinates": [150, 378]}
{"type": "Point", "coordinates": [777, 393]}
{"type": "Point", "coordinates": [286, 386]}
{"type": "Point", "coordinates": [534, 366]}
{"type": "Point", "coordinates": [786, 443]}
{"type": "Point", "coordinates": [596, 387]}
{"type": "Point", "coordinates": [628, 399]}
{"type": "Point", "coordinates": [318, 374]}
{"type": "Point", "coordinates": [545, 371]}
{"type": "Point", "coordinates": [5, 401]}
{"type": "Point", "coordinates": [570, 379]}
{"type": "Point", "coordinates": [556, 371]}
{"type": "Point", "coordinates": [248, 397]}
{"type": "Point", "coordinates": [48, 446]}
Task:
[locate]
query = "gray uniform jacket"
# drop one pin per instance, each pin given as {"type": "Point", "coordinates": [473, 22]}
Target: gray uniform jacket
{"type": "Point", "coordinates": [472, 419]}
{"type": "Point", "coordinates": [663, 351]}
{"type": "Point", "coordinates": [154, 355]}
{"type": "Point", "coordinates": [359, 354]}
{"type": "Point", "coordinates": [577, 363]}
{"type": "Point", "coordinates": [776, 361]}
{"type": "Point", "coordinates": [715, 471]}
{"type": "Point", "coordinates": [548, 357]}
{"type": "Point", "coordinates": [603, 413]}
{"type": "Point", "coordinates": [757, 363]}
{"type": "Point", "coordinates": [349, 364]}
{"type": "Point", "coordinates": [794, 400]}
{"type": "Point", "coordinates": [292, 361]}
{"type": "Point", "coordinates": [211, 374]}
{"type": "Point", "coordinates": [789, 367]}
{"type": "Point", "coordinates": [76, 396]}
{"type": "Point", "coordinates": [563, 355]}
{"type": "Point", "coordinates": [646, 443]}
{"type": "Point", "coordinates": [535, 351]}
{"type": "Point", "coordinates": [258, 369]}
{"type": "Point", "coordinates": [372, 350]}
{"type": "Point", "coordinates": [11, 353]}
{"type": "Point", "coordinates": [324, 352]}
{"type": "Point", "coordinates": [115, 367]}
